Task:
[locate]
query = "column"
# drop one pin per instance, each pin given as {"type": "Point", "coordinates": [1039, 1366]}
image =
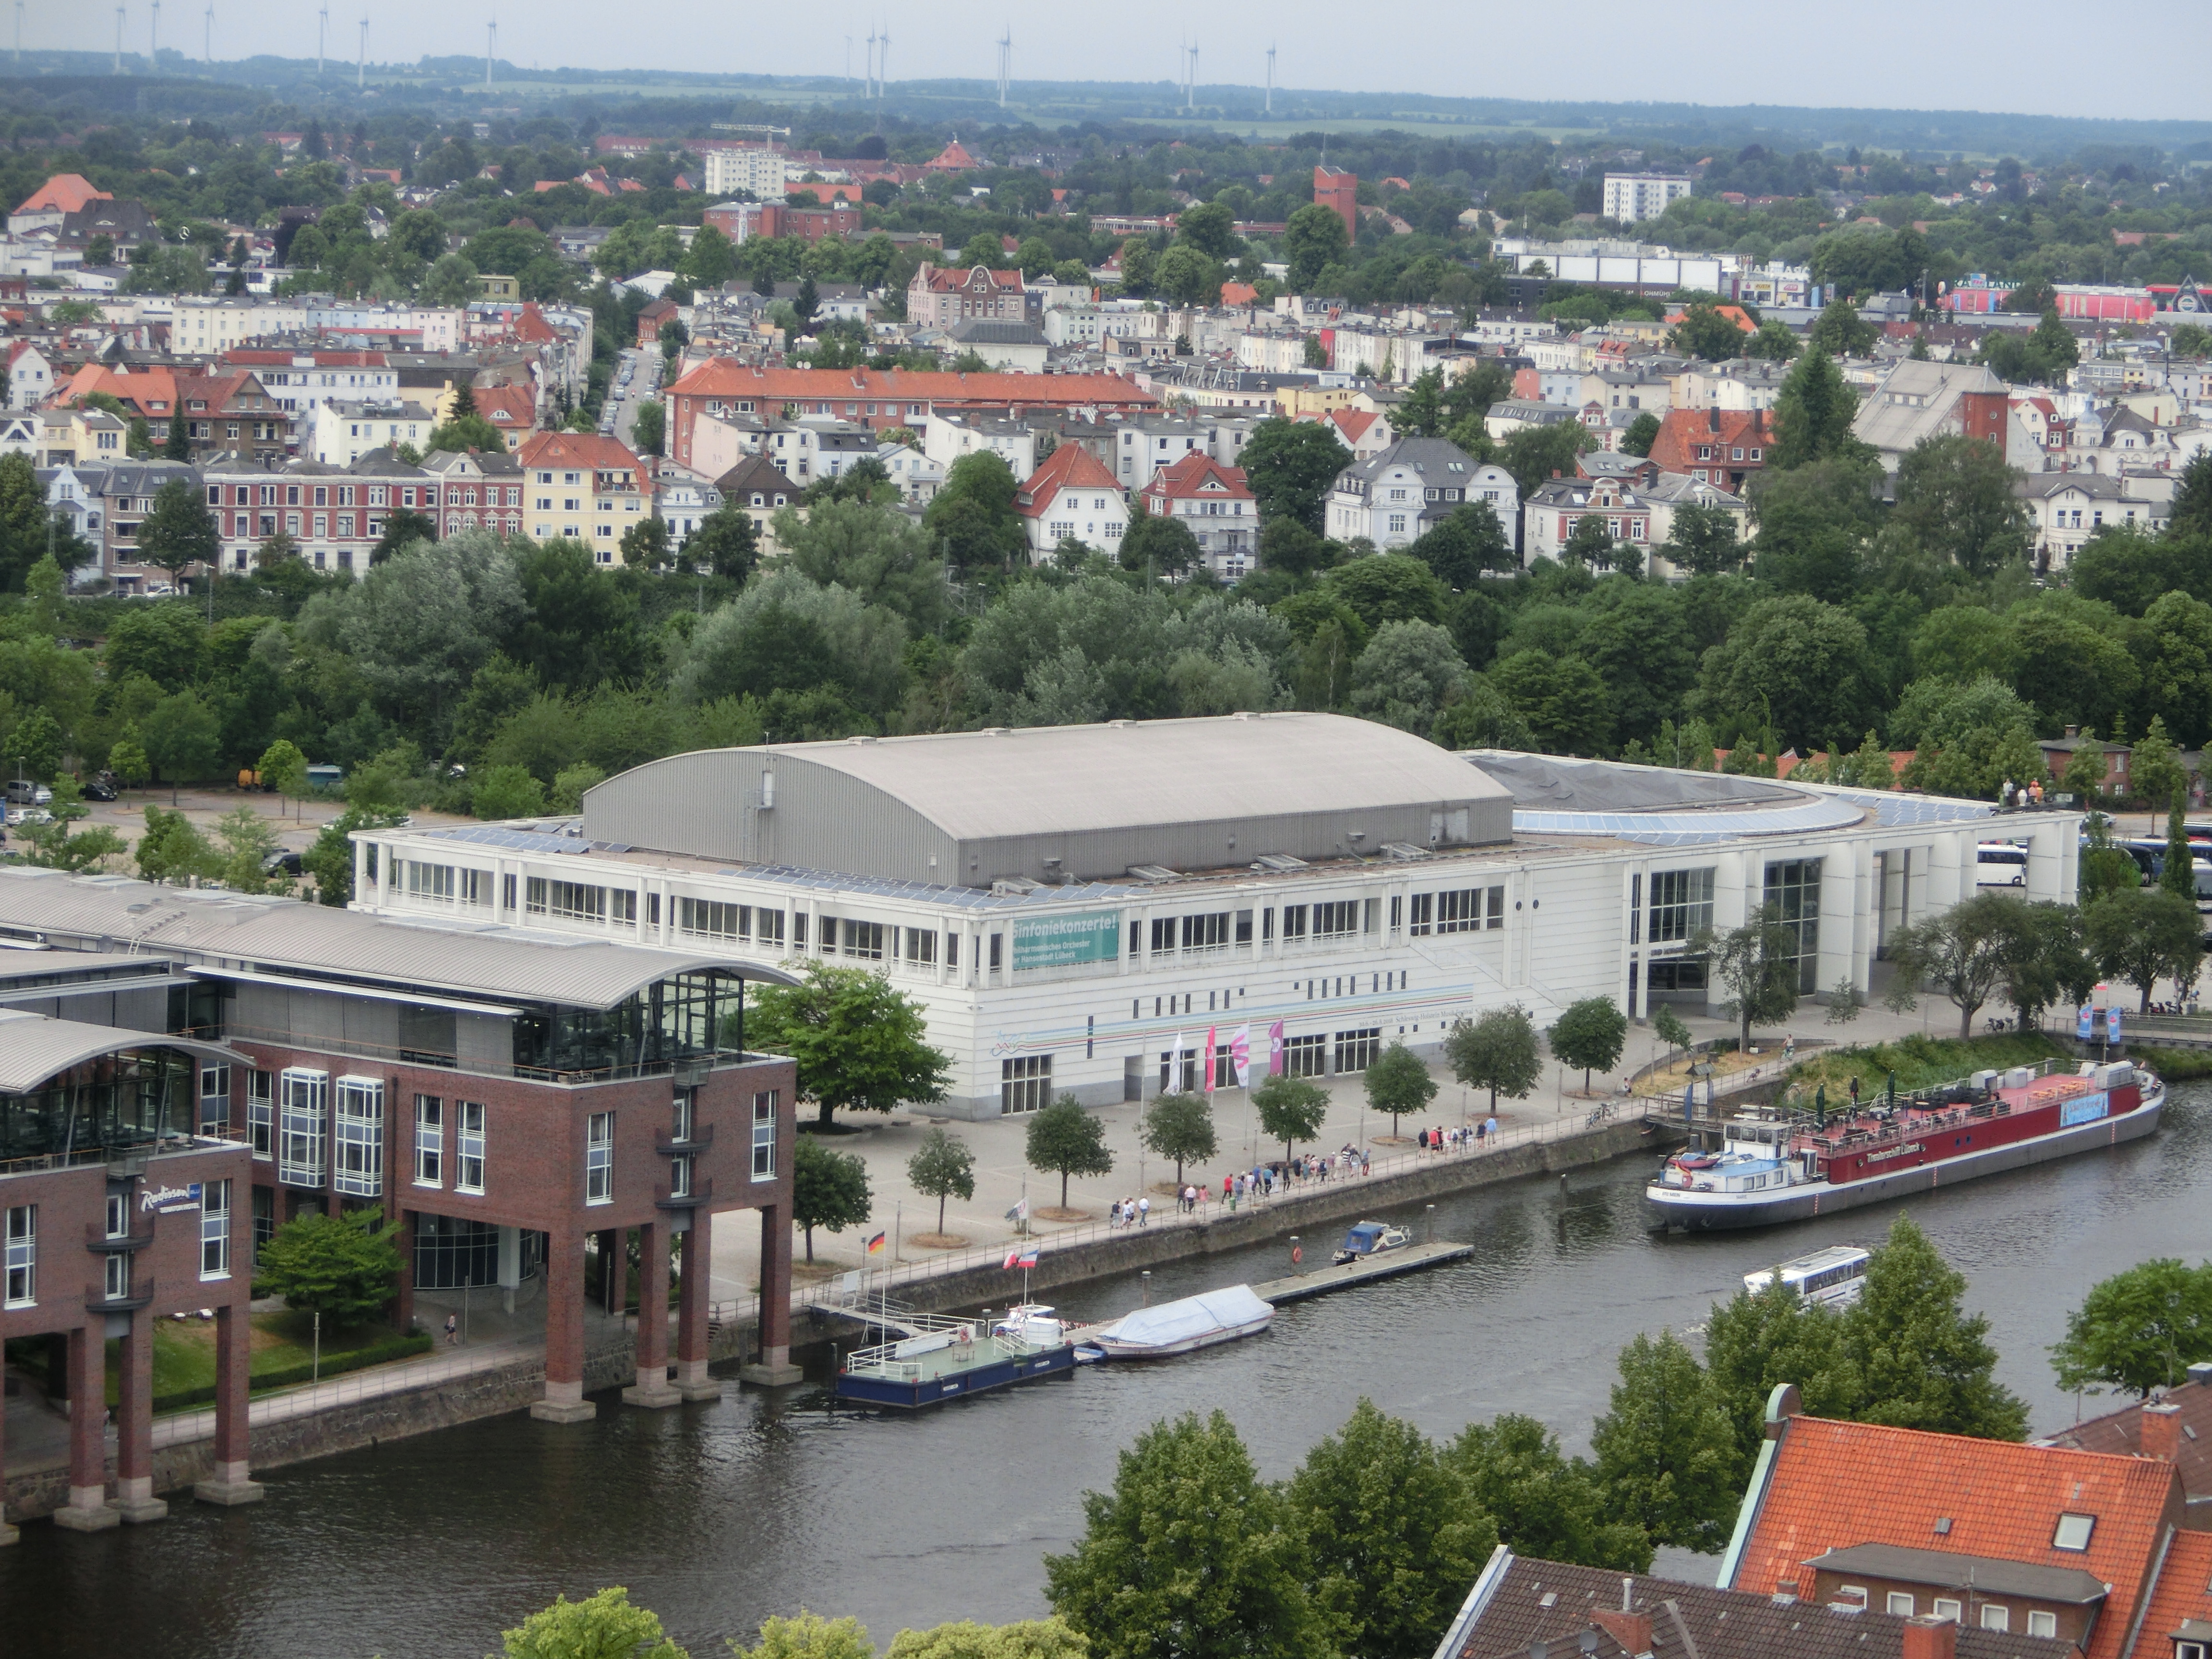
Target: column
{"type": "Point", "coordinates": [229, 1482]}
{"type": "Point", "coordinates": [86, 1509]}
{"type": "Point", "coordinates": [7, 1532]}
{"type": "Point", "coordinates": [564, 1400]}
{"type": "Point", "coordinates": [612, 1285]}
{"type": "Point", "coordinates": [696, 1296]}
{"type": "Point", "coordinates": [134, 1425]}
{"type": "Point", "coordinates": [1840, 906]}
{"type": "Point", "coordinates": [510, 1264]}
{"type": "Point", "coordinates": [652, 1388]}
{"type": "Point", "coordinates": [774, 1366]}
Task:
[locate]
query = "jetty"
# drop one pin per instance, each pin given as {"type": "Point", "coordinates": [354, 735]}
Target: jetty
{"type": "Point", "coordinates": [1320, 1281]}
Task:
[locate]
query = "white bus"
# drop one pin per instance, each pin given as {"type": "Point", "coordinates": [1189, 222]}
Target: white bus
{"type": "Point", "coordinates": [2000, 864]}
{"type": "Point", "coordinates": [1834, 1276]}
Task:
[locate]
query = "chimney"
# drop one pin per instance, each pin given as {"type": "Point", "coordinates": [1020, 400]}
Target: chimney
{"type": "Point", "coordinates": [2161, 1431]}
{"type": "Point", "coordinates": [1930, 1638]}
{"type": "Point", "coordinates": [1632, 1629]}
{"type": "Point", "coordinates": [2073, 730]}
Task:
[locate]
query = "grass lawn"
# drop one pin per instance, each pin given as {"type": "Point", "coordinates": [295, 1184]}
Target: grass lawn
{"type": "Point", "coordinates": [1920, 1062]}
{"type": "Point", "coordinates": [283, 1348]}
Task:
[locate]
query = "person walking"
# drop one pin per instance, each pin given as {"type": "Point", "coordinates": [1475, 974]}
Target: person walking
{"type": "Point", "coordinates": [452, 1330]}
{"type": "Point", "coordinates": [1145, 1211]}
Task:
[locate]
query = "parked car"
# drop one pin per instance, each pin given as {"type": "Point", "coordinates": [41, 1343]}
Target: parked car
{"type": "Point", "coordinates": [21, 815]}
{"type": "Point", "coordinates": [23, 792]}
{"type": "Point", "coordinates": [284, 861]}
{"type": "Point", "coordinates": [100, 786]}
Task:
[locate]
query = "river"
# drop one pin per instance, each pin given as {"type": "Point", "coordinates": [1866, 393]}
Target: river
{"type": "Point", "coordinates": [718, 1516]}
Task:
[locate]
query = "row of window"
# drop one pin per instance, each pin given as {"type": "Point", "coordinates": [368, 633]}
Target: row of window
{"type": "Point", "coordinates": [291, 1126]}
{"type": "Point", "coordinates": [1994, 1616]}
{"type": "Point", "coordinates": [19, 1288]}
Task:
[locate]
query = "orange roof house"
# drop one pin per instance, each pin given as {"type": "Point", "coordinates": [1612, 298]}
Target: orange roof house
{"type": "Point", "coordinates": [1723, 446]}
{"type": "Point", "coordinates": [512, 409]}
{"type": "Point", "coordinates": [65, 193]}
{"type": "Point", "coordinates": [2180, 1605]}
{"type": "Point", "coordinates": [951, 159]}
{"type": "Point", "coordinates": [2042, 1540]}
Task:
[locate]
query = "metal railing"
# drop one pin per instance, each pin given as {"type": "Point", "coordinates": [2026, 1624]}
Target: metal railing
{"type": "Point", "coordinates": [1287, 1199]}
{"type": "Point", "coordinates": [581, 1077]}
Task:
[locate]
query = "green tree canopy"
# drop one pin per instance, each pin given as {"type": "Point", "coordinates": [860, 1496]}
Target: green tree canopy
{"type": "Point", "coordinates": [943, 1168]}
{"type": "Point", "coordinates": [1398, 1082]}
{"type": "Point", "coordinates": [1664, 1449]}
{"type": "Point", "coordinates": [1178, 1125]}
{"type": "Point", "coordinates": [1291, 1110]}
{"type": "Point", "coordinates": [1065, 1139]}
{"type": "Point", "coordinates": [1545, 1505]}
{"type": "Point", "coordinates": [345, 1267]}
{"type": "Point", "coordinates": [2139, 1329]}
{"type": "Point", "coordinates": [603, 1626]}
{"type": "Point", "coordinates": [1924, 1364]}
{"type": "Point", "coordinates": [829, 1189]}
{"type": "Point", "coordinates": [1496, 1051]}
{"type": "Point", "coordinates": [859, 1043]}
{"type": "Point", "coordinates": [1590, 1034]}
{"type": "Point", "coordinates": [1290, 464]}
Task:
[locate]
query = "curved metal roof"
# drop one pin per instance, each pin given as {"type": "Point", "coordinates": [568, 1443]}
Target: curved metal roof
{"type": "Point", "coordinates": [33, 1048]}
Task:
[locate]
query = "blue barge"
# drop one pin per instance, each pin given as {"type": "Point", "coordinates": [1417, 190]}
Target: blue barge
{"type": "Point", "coordinates": [943, 1359]}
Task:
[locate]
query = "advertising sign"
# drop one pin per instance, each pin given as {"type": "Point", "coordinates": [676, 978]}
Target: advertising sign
{"type": "Point", "coordinates": [1066, 941]}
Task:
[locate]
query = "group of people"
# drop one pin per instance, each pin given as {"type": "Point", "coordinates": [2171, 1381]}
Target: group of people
{"type": "Point", "coordinates": [1132, 1213]}
{"type": "Point", "coordinates": [2014, 795]}
{"type": "Point", "coordinates": [1449, 1139]}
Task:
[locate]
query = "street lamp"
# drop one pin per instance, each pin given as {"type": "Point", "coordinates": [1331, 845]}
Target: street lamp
{"type": "Point", "coordinates": [2101, 999]}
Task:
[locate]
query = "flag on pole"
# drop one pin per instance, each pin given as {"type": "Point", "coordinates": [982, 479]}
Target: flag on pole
{"type": "Point", "coordinates": [1275, 1049]}
{"type": "Point", "coordinates": [1022, 1255]}
{"type": "Point", "coordinates": [1174, 1064]}
{"type": "Point", "coordinates": [1021, 1209]}
{"type": "Point", "coordinates": [1239, 1055]}
{"type": "Point", "coordinates": [876, 1245]}
{"type": "Point", "coordinates": [1211, 1051]}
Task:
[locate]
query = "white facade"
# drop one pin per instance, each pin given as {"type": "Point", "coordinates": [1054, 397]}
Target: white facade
{"type": "Point", "coordinates": [1350, 956]}
{"type": "Point", "coordinates": [946, 438]}
{"type": "Point", "coordinates": [302, 386]}
{"type": "Point", "coordinates": [919, 477]}
{"type": "Point", "coordinates": [1095, 514]}
{"type": "Point", "coordinates": [1629, 196]}
{"type": "Point", "coordinates": [764, 173]}
{"type": "Point", "coordinates": [343, 432]}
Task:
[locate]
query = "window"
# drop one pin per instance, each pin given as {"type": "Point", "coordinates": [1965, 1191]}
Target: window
{"type": "Point", "coordinates": [1025, 1083]}
{"type": "Point", "coordinates": [570, 899]}
{"type": "Point", "coordinates": [1793, 888]}
{"type": "Point", "coordinates": [1306, 1056]}
{"type": "Point", "coordinates": [1681, 903]}
{"type": "Point", "coordinates": [1996, 1617]}
{"type": "Point", "coordinates": [259, 1119]}
{"type": "Point", "coordinates": [625, 902]}
{"type": "Point", "coordinates": [1357, 1050]}
{"type": "Point", "coordinates": [214, 1099]}
{"type": "Point", "coordinates": [1208, 932]}
{"type": "Point", "coordinates": [1496, 907]}
{"type": "Point", "coordinates": [679, 1175]}
{"type": "Point", "coordinates": [430, 881]}
{"type": "Point", "coordinates": [709, 919]}
{"type": "Point", "coordinates": [214, 1229]}
{"type": "Point", "coordinates": [1948, 1607]}
{"type": "Point", "coordinates": [599, 1159]}
{"type": "Point", "coordinates": [2043, 1624]}
{"type": "Point", "coordinates": [429, 1141]}
{"type": "Point", "coordinates": [764, 1128]}
{"type": "Point", "coordinates": [1424, 912]}
{"type": "Point", "coordinates": [922, 946]}
{"type": "Point", "coordinates": [301, 1137]}
{"type": "Point", "coordinates": [360, 1137]}
{"type": "Point", "coordinates": [1336, 919]}
{"type": "Point", "coordinates": [2073, 1532]}
{"type": "Point", "coordinates": [116, 1286]}
{"type": "Point", "coordinates": [22, 1265]}
{"type": "Point", "coordinates": [1901, 1603]}
{"type": "Point", "coordinates": [1459, 911]}
{"type": "Point", "coordinates": [469, 1149]}
{"type": "Point", "coordinates": [862, 939]}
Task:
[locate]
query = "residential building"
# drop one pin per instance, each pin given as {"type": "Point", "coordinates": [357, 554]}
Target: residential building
{"type": "Point", "coordinates": [2043, 1541]}
{"type": "Point", "coordinates": [1392, 498]}
{"type": "Point", "coordinates": [918, 476]}
{"type": "Point", "coordinates": [301, 380]}
{"type": "Point", "coordinates": [1915, 400]}
{"type": "Point", "coordinates": [511, 409]}
{"type": "Point", "coordinates": [938, 298]}
{"type": "Point", "coordinates": [127, 491]}
{"type": "Point", "coordinates": [1555, 506]}
{"type": "Point", "coordinates": [1630, 196]}
{"type": "Point", "coordinates": [760, 173]}
{"type": "Point", "coordinates": [581, 487]}
{"type": "Point", "coordinates": [1521, 1606]}
{"type": "Point", "coordinates": [2058, 754]}
{"type": "Point", "coordinates": [1509, 415]}
{"type": "Point", "coordinates": [342, 430]}
{"type": "Point", "coordinates": [45, 208]}
{"type": "Point", "coordinates": [1071, 493]}
{"type": "Point", "coordinates": [682, 501]}
{"type": "Point", "coordinates": [31, 378]}
{"type": "Point", "coordinates": [1363, 432]}
{"type": "Point", "coordinates": [2181, 1434]}
{"type": "Point", "coordinates": [739, 220]}
{"type": "Point", "coordinates": [1728, 447]}
{"type": "Point", "coordinates": [1059, 926]}
{"type": "Point", "coordinates": [1339, 191]}
{"type": "Point", "coordinates": [2069, 507]}
{"type": "Point", "coordinates": [335, 514]}
{"type": "Point", "coordinates": [946, 438]}
{"type": "Point", "coordinates": [1216, 504]}
{"type": "Point", "coordinates": [1665, 493]}
{"type": "Point", "coordinates": [472, 490]}
{"type": "Point", "coordinates": [754, 488]}
{"type": "Point", "coordinates": [505, 1100]}
{"type": "Point", "coordinates": [1015, 347]}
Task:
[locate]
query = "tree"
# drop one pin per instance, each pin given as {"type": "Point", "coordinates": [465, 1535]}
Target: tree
{"type": "Point", "coordinates": [36, 746]}
{"type": "Point", "coordinates": [402, 526]}
{"type": "Point", "coordinates": [1664, 1449]}
{"type": "Point", "coordinates": [1671, 1028]}
{"type": "Point", "coordinates": [1290, 466]}
{"type": "Point", "coordinates": [725, 543]}
{"type": "Point", "coordinates": [973, 514]}
{"type": "Point", "coordinates": [179, 532]}
{"type": "Point", "coordinates": [2048, 963]}
{"type": "Point", "coordinates": [1757, 1340]}
{"type": "Point", "coordinates": [345, 1268]}
{"type": "Point", "coordinates": [1964, 952]}
{"type": "Point", "coordinates": [1812, 412]}
{"type": "Point", "coordinates": [1155, 542]}
{"type": "Point", "coordinates": [2084, 776]}
{"type": "Point", "coordinates": [1774, 343]}
{"type": "Point", "coordinates": [1954, 493]}
{"type": "Point", "coordinates": [126, 758]}
{"type": "Point", "coordinates": [1291, 1110]}
{"type": "Point", "coordinates": [1702, 539]}
{"type": "Point", "coordinates": [1032, 1638]}
{"type": "Point", "coordinates": [1409, 670]}
{"type": "Point", "coordinates": [1562, 700]}
{"type": "Point", "coordinates": [1840, 331]}
{"type": "Point", "coordinates": [644, 544]}
{"type": "Point", "coordinates": [1757, 962]}
{"type": "Point", "coordinates": [1496, 1051]}
{"type": "Point", "coordinates": [1793, 663]}
{"type": "Point", "coordinates": [649, 431]}
{"type": "Point", "coordinates": [1643, 432]}
{"type": "Point", "coordinates": [1536, 455]}
{"type": "Point", "coordinates": [1923, 1363]}
{"type": "Point", "coordinates": [1398, 1083]}
{"type": "Point", "coordinates": [1421, 412]}
{"type": "Point", "coordinates": [809, 1636]}
{"type": "Point", "coordinates": [1066, 1138]}
{"type": "Point", "coordinates": [1391, 1533]}
{"type": "Point", "coordinates": [1188, 1557]}
{"type": "Point", "coordinates": [53, 845]}
{"type": "Point", "coordinates": [603, 1626]}
{"type": "Point", "coordinates": [943, 1168]}
{"type": "Point", "coordinates": [1465, 543]}
{"type": "Point", "coordinates": [1179, 1126]}
{"type": "Point", "coordinates": [2143, 934]}
{"type": "Point", "coordinates": [1313, 240]}
{"type": "Point", "coordinates": [1546, 1505]}
{"type": "Point", "coordinates": [859, 1043]}
{"type": "Point", "coordinates": [506, 791]}
{"type": "Point", "coordinates": [183, 735]}
{"type": "Point", "coordinates": [1590, 1034]}
{"type": "Point", "coordinates": [329, 861]}
{"type": "Point", "coordinates": [2178, 873]}
{"type": "Point", "coordinates": [828, 1188]}
{"type": "Point", "coordinates": [2139, 1330]}
{"type": "Point", "coordinates": [2154, 771]}
{"type": "Point", "coordinates": [1187, 276]}
{"type": "Point", "coordinates": [462, 433]}
{"type": "Point", "coordinates": [2192, 497]}
{"type": "Point", "coordinates": [1704, 332]}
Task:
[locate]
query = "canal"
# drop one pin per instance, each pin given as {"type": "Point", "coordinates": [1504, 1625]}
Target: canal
{"type": "Point", "coordinates": [718, 1516]}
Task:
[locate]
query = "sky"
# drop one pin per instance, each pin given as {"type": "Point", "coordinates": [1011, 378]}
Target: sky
{"type": "Point", "coordinates": [2037, 56]}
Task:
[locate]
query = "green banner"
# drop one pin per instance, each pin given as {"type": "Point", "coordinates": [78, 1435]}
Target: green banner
{"type": "Point", "coordinates": [1066, 941]}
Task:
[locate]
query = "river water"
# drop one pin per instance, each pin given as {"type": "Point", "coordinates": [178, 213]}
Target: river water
{"type": "Point", "coordinates": [718, 1516]}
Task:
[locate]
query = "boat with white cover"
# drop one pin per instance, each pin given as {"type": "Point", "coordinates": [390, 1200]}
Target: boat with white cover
{"type": "Point", "coordinates": [1184, 1326]}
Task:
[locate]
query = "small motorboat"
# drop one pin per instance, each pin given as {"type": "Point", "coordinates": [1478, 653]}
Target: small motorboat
{"type": "Point", "coordinates": [1033, 1324]}
{"type": "Point", "coordinates": [1371, 1238]}
{"type": "Point", "coordinates": [1089, 1353]}
{"type": "Point", "coordinates": [1183, 1326]}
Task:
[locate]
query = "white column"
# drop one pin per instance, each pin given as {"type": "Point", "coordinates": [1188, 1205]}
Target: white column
{"type": "Point", "coordinates": [1630, 887]}
{"type": "Point", "coordinates": [1866, 919]}
{"type": "Point", "coordinates": [1839, 911]}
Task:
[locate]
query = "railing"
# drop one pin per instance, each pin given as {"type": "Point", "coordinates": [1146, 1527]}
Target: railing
{"type": "Point", "coordinates": [665, 1144]}
{"type": "Point", "coordinates": [585, 1077]}
{"type": "Point", "coordinates": [140, 1294]}
{"type": "Point", "coordinates": [1288, 1199]}
{"type": "Point", "coordinates": [101, 1241]}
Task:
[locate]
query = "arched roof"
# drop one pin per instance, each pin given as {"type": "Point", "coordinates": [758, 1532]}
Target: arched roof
{"type": "Point", "coordinates": [33, 1048]}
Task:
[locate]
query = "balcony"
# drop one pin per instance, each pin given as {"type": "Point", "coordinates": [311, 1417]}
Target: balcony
{"type": "Point", "coordinates": [140, 1294]}
{"type": "Point", "coordinates": [701, 1193]}
{"type": "Point", "coordinates": [702, 1137]}
{"type": "Point", "coordinates": [101, 1242]}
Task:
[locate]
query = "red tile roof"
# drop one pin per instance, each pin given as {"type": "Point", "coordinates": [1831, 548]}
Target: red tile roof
{"type": "Point", "coordinates": [1071, 467]}
{"type": "Point", "coordinates": [951, 279]}
{"type": "Point", "coordinates": [1350, 422]}
{"type": "Point", "coordinates": [1682, 430]}
{"type": "Point", "coordinates": [1239, 294]}
{"type": "Point", "coordinates": [583, 451]}
{"type": "Point", "coordinates": [2184, 1592]}
{"type": "Point", "coordinates": [1190, 477]}
{"type": "Point", "coordinates": [65, 193]}
{"type": "Point", "coordinates": [1837, 1485]}
{"type": "Point", "coordinates": [951, 159]}
{"type": "Point", "coordinates": [724, 377]}
{"type": "Point", "coordinates": [2122, 1431]}
{"type": "Point", "coordinates": [510, 408]}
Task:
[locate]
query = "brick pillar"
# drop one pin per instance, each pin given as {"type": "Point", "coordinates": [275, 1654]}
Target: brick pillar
{"type": "Point", "coordinates": [7, 1532]}
{"type": "Point", "coordinates": [86, 1509]}
{"type": "Point", "coordinates": [564, 1400]}
{"type": "Point", "coordinates": [134, 1425]}
{"type": "Point", "coordinates": [697, 1297]}
{"type": "Point", "coordinates": [652, 1387]}
{"type": "Point", "coordinates": [228, 1482]}
{"type": "Point", "coordinates": [402, 1306]}
{"type": "Point", "coordinates": [612, 1273]}
{"type": "Point", "coordinates": [773, 1365]}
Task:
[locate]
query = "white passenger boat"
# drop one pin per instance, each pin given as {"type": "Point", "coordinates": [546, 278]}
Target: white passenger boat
{"type": "Point", "coordinates": [1833, 1277]}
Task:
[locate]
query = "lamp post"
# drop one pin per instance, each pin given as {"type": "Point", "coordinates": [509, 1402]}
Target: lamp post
{"type": "Point", "coordinates": [2101, 999]}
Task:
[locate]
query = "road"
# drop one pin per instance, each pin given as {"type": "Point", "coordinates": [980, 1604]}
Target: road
{"type": "Point", "coordinates": [645, 384]}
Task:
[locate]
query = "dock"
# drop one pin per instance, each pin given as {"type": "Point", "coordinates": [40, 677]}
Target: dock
{"type": "Point", "coordinates": [1320, 1281]}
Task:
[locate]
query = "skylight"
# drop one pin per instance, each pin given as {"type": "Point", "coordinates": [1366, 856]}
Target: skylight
{"type": "Point", "coordinates": [2074, 1532]}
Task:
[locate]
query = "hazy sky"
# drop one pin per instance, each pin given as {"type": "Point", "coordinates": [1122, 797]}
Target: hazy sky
{"type": "Point", "coordinates": [2039, 56]}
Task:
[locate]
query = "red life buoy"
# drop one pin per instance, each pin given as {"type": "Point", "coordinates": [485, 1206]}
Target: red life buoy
{"type": "Point", "coordinates": [1297, 1253]}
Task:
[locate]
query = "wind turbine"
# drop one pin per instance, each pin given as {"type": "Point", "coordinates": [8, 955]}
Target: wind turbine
{"type": "Point", "coordinates": [118, 39]}
{"type": "Point", "coordinates": [1190, 89]}
{"type": "Point", "coordinates": [322, 32]}
{"type": "Point", "coordinates": [154, 39]}
{"type": "Point", "coordinates": [1271, 80]}
{"type": "Point", "coordinates": [361, 69]}
{"type": "Point", "coordinates": [883, 58]}
{"type": "Point", "coordinates": [207, 48]}
{"type": "Point", "coordinates": [491, 49]}
{"type": "Point", "coordinates": [1006, 63]}
{"type": "Point", "coordinates": [869, 77]}
{"type": "Point", "coordinates": [19, 31]}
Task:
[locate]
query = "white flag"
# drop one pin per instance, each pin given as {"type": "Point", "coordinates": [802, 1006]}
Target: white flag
{"type": "Point", "coordinates": [1175, 1064]}
{"type": "Point", "coordinates": [1240, 1052]}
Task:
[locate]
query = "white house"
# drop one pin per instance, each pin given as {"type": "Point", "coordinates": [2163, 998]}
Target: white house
{"type": "Point", "coordinates": [1072, 494]}
{"type": "Point", "coordinates": [2069, 507]}
{"type": "Point", "coordinates": [1392, 498]}
{"type": "Point", "coordinates": [682, 498]}
{"type": "Point", "coordinates": [946, 437]}
{"type": "Point", "coordinates": [919, 477]}
{"type": "Point", "coordinates": [342, 430]}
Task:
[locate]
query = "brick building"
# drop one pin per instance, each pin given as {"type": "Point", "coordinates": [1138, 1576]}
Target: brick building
{"type": "Point", "coordinates": [739, 219]}
{"type": "Point", "coordinates": [1723, 446]}
{"type": "Point", "coordinates": [514, 1103]}
{"type": "Point", "coordinates": [1339, 191]}
{"type": "Point", "coordinates": [938, 298]}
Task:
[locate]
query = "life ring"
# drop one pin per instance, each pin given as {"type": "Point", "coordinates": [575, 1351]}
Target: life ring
{"type": "Point", "coordinates": [1297, 1254]}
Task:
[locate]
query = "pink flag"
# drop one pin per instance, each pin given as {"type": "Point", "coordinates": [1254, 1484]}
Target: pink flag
{"type": "Point", "coordinates": [1275, 1049]}
{"type": "Point", "coordinates": [1210, 1030]}
{"type": "Point", "coordinates": [1240, 1052]}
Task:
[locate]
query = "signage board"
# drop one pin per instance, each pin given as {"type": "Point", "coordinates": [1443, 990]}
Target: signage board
{"type": "Point", "coordinates": [1067, 941]}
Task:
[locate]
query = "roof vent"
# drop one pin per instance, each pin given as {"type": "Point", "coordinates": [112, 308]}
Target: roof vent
{"type": "Point", "coordinates": [1278, 862]}
{"type": "Point", "coordinates": [860, 740]}
{"type": "Point", "coordinates": [1153, 872]}
{"type": "Point", "coordinates": [1404, 851]}
{"type": "Point", "coordinates": [1943, 1527]}
{"type": "Point", "coordinates": [1014, 886]}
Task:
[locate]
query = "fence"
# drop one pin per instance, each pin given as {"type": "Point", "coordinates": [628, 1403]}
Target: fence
{"type": "Point", "coordinates": [1286, 1199]}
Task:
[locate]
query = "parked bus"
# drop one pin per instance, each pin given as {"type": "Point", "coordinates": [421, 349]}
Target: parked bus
{"type": "Point", "coordinates": [2000, 864]}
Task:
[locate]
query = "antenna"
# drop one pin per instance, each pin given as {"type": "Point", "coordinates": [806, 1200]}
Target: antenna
{"type": "Point", "coordinates": [322, 30]}
{"type": "Point", "coordinates": [118, 39]}
{"type": "Point", "coordinates": [361, 69]}
{"type": "Point", "coordinates": [491, 48]}
{"type": "Point", "coordinates": [1271, 80]}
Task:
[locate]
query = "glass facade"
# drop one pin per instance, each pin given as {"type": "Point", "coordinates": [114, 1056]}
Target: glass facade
{"type": "Point", "coordinates": [669, 1020]}
{"type": "Point", "coordinates": [1794, 891]}
{"type": "Point", "coordinates": [450, 1253]}
{"type": "Point", "coordinates": [105, 1106]}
